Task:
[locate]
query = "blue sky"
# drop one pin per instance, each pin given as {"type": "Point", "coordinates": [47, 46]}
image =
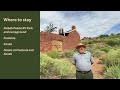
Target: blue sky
{"type": "Point", "coordinates": [88, 23]}
{"type": "Point", "coordinates": [115, 29]}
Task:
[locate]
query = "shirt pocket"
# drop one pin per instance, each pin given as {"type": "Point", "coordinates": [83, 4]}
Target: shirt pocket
{"type": "Point", "coordinates": [87, 59]}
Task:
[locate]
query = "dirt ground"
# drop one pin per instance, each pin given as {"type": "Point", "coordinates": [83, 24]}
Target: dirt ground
{"type": "Point", "coordinates": [98, 69]}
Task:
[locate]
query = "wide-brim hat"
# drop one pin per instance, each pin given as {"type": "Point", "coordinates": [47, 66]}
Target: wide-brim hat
{"type": "Point", "coordinates": [80, 45]}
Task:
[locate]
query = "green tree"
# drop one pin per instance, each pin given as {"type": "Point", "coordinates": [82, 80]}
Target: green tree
{"type": "Point", "coordinates": [112, 34]}
{"type": "Point", "coordinates": [102, 36]}
{"type": "Point", "coordinates": [50, 28]}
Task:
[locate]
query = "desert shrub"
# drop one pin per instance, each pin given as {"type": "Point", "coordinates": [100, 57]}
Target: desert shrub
{"type": "Point", "coordinates": [112, 57]}
{"type": "Point", "coordinates": [47, 68]}
{"type": "Point", "coordinates": [54, 54]}
{"type": "Point", "coordinates": [85, 41]}
{"type": "Point", "coordinates": [98, 53]}
{"type": "Point", "coordinates": [112, 42]}
{"type": "Point", "coordinates": [106, 49]}
{"type": "Point", "coordinates": [93, 48]}
{"type": "Point", "coordinates": [90, 42]}
{"type": "Point", "coordinates": [89, 49]}
{"type": "Point", "coordinates": [67, 54]}
{"type": "Point", "coordinates": [52, 68]}
{"type": "Point", "coordinates": [112, 72]}
{"type": "Point", "coordinates": [116, 47]}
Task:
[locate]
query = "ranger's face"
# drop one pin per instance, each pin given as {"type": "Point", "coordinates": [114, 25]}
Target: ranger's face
{"type": "Point", "coordinates": [81, 49]}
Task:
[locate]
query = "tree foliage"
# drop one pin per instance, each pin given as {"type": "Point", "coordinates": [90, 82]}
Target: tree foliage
{"type": "Point", "coordinates": [50, 28]}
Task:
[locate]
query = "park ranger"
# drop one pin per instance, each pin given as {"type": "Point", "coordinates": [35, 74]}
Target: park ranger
{"type": "Point", "coordinates": [83, 60]}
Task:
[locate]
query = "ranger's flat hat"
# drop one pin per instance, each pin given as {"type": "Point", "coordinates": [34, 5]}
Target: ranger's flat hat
{"type": "Point", "coordinates": [80, 45]}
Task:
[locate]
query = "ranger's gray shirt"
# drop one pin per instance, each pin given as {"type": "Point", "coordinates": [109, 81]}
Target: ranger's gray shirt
{"type": "Point", "coordinates": [82, 61]}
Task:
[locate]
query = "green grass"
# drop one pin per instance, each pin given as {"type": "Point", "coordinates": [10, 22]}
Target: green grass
{"type": "Point", "coordinates": [98, 53]}
{"type": "Point", "coordinates": [111, 40]}
{"type": "Point", "coordinates": [55, 68]}
{"type": "Point", "coordinates": [59, 55]}
{"type": "Point", "coordinates": [105, 48]}
{"type": "Point", "coordinates": [109, 53]}
{"type": "Point", "coordinates": [58, 65]}
{"type": "Point", "coordinates": [67, 54]}
{"type": "Point", "coordinates": [54, 54]}
{"type": "Point", "coordinates": [112, 57]}
{"type": "Point", "coordinates": [112, 72]}
{"type": "Point", "coordinates": [112, 64]}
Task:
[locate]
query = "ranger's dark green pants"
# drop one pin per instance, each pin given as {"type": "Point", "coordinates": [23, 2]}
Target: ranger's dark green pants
{"type": "Point", "coordinates": [80, 75]}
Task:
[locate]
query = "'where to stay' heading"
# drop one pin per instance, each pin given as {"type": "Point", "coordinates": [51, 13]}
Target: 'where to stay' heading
{"type": "Point", "coordinates": [17, 20]}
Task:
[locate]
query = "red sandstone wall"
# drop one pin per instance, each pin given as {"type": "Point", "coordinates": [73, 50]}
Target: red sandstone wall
{"type": "Point", "coordinates": [72, 40]}
{"type": "Point", "coordinates": [45, 40]}
{"type": "Point", "coordinates": [69, 42]}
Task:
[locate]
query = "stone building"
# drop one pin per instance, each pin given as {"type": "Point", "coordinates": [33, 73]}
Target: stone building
{"type": "Point", "coordinates": [59, 42]}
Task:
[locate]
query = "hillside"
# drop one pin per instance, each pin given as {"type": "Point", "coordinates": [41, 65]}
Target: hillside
{"type": "Point", "coordinates": [105, 50]}
{"type": "Point", "coordinates": [112, 40]}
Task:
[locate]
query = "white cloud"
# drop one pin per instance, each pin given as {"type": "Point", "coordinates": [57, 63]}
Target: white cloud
{"type": "Point", "coordinates": [57, 18]}
{"type": "Point", "coordinates": [52, 16]}
{"type": "Point", "coordinates": [88, 24]}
